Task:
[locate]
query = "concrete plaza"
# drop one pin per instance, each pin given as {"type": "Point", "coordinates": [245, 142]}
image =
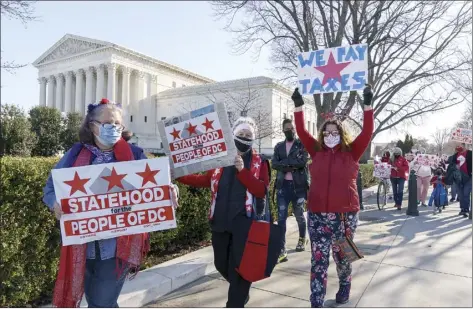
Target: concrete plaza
{"type": "Point", "coordinates": [423, 261]}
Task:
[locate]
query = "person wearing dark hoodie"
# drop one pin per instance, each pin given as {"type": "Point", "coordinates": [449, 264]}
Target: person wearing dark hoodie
{"type": "Point", "coordinates": [290, 162]}
{"type": "Point", "coordinates": [333, 202]}
{"type": "Point", "coordinates": [234, 189]}
{"type": "Point", "coordinates": [462, 159]}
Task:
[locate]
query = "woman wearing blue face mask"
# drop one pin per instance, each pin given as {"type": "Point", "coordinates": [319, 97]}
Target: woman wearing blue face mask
{"type": "Point", "coordinates": [98, 268]}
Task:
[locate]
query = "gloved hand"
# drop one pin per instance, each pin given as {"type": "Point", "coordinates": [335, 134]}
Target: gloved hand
{"type": "Point", "coordinates": [297, 98]}
{"type": "Point", "coordinates": [367, 95]}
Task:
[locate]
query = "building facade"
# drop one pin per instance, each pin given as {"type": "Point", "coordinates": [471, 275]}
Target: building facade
{"type": "Point", "coordinates": [77, 71]}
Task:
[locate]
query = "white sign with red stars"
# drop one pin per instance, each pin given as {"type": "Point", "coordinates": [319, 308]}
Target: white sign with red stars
{"type": "Point", "coordinates": [114, 199]}
{"type": "Point", "coordinates": [462, 135]}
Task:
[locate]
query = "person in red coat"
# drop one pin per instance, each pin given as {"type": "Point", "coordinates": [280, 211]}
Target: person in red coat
{"type": "Point", "coordinates": [333, 202]}
{"type": "Point", "coordinates": [234, 189]}
{"type": "Point", "coordinates": [399, 174]}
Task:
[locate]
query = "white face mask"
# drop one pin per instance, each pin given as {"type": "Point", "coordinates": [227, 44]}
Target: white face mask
{"type": "Point", "coordinates": [331, 141]}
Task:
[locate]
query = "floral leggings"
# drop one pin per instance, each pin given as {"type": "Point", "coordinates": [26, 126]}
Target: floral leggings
{"type": "Point", "coordinates": [324, 228]}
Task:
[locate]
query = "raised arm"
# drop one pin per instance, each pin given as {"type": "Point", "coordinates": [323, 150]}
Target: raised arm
{"type": "Point", "coordinates": [362, 141]}
{"type": "Point", "coordinates": [306, 138]}
{"type": "Point", "coordinates": [256, 186]}
{"type": "Point", "coordinates": [360, 144]}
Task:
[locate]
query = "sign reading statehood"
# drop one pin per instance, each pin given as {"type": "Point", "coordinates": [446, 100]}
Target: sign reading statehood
{"type": "Point", "coordinates": [115, 199]}
{"type": "Point", "coordinates": [198, 141]}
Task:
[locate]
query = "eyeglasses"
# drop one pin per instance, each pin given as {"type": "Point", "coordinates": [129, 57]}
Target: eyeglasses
{"type": "Point", "coordinates": [109, 125]}
{"type": "Point", "coordinates": [333, 133]}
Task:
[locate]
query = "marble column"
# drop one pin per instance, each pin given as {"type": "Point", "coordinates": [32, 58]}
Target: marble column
{"type": "Point", "coordinates": [99, 93]}
{"type": "Point", "coordinates": [153, 90]}
{"type": "Point", "coordinates": [126, 73]}
{"type": "Point", "coordinates": [51, 89]}
{"type": "Point", "coordinates": [112, 76]}
{"type": "Point", "coordinates": [79, 101]}
{"type": "Point", "coordinates": [59, 102]}
{"type": "Point", "coordinates": [42, 91]}
{"type": "Point", "coordinates": [89, 87]}
{"type": "Point", "coordinates": [68, 100]}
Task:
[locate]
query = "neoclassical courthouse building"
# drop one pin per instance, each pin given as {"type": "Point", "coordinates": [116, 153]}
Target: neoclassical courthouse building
{"type": "Point", "coordinates": [77, 71]}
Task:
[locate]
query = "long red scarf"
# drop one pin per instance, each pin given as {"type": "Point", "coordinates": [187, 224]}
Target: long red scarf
{"type": "Point", "coordinates": [69, 287]}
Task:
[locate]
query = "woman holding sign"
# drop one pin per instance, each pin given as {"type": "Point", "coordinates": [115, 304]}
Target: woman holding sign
{"type": "Point", "coordinates": [234, 189]}
{"type": "Point", "coordinates": [333, 201]}
{"type": "Point", "coordinates": [98, 268]}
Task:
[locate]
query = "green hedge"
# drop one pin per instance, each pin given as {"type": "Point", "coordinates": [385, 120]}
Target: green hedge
{"type": "Point", "coordinates": [30, 234]}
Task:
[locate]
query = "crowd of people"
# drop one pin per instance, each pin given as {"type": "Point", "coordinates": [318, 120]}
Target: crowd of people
{"type": "Point", "coordinates": [452, 173]}
{"type": "Point", "coordinates": [239, 194]}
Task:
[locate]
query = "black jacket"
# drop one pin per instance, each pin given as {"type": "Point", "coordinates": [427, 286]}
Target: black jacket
{"type": "Point", "coordinates": [296, 161]}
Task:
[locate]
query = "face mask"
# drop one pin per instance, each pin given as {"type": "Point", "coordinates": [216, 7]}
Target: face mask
{"type": "Point", "coordinates": [439, 173]}
{"type": "Point", "coordinates": [243, 144]}
{"type": "Point", "coordinates": [397, 156]}
{"type": "Point", "coordinates": [109, 134]}
{"type": "Point", "coordinates": [331, 141]}
{"type": "Point", "coordinates": [289, 135]}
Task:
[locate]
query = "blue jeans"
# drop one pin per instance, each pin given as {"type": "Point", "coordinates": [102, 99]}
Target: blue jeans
{"type": "Point", "coordinates": [286, 195]}
{"type": "Point", "coordinates": [454, 191]}
{"type": "Point", "coordinates": [101, 285]}
{"type": "Point", "coordinates": [464, 191]}
{"type": "Point", "coordinates": [398, 190]}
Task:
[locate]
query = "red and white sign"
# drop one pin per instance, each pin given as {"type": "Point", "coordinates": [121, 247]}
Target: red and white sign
{"type": "Point", "coordinates": [427, 160]}
{"type": "Point", "coordinates": [382, 170]}
{"type": "Point", "coordinates": [461, 135]}
{"type": "Point", "coordinates": [196, 140]}
{"type": "Point", "coordinates": [115, 199]}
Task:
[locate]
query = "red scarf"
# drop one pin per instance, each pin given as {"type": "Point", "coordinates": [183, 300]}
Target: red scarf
{"type": "Point", "coordinates": [69, 287]}
{"type": "Point", "coordinates": [255, 168]}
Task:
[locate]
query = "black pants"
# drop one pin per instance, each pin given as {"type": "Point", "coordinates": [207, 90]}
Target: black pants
{"type": "Point", "coordinates": [224, 260]}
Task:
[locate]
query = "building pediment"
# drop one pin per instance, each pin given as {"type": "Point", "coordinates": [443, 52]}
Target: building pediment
{"type": "Point", "coordinates": [68, 46]}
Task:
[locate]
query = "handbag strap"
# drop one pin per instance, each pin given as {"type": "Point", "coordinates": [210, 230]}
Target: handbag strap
{"type": "Point", "coordinates": [345, 224]}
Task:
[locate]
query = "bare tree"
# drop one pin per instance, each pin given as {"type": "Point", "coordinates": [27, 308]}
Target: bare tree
{"type": "Point", "coordinates": [246, 103]}
{"type": "Point", "coordinates": [413, 48]}
{"type": "Point", "coordinates": [440, 138]}
{"type": "Point", "coordinates": [24, 12]}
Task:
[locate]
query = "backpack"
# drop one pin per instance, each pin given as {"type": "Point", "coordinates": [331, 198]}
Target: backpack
{"type": "Point", "coordinates": [453, 175]}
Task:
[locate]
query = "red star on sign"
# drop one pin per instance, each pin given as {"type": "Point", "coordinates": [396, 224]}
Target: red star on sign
{"type": "Point", "coordinates": [191, 129]}
{"type": "Point", "coordinates": [175, 133]}
{"type": "Point", "coordinates": [332, 69]}
{"type": "Point", "coordinates": [148, 175]}
{"type": "Point", "coordinates": [208, 124]}
{"type": "Point", "coordinates": [77, 184]}
{"type": "Point", "coordinates": [114, 180]}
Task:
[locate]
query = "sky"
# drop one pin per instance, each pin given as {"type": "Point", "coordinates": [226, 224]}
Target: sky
{"type": "Point", "coordinates": [185, 34]}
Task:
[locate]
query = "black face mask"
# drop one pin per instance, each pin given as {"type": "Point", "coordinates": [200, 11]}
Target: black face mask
{"type": "Point", "coordinates": [397, 156]}
{"type": "Point", "coordinates": [439, 173]}
{"type": "Point", "coordinates": [289, 135]}
{"type": "Point", "coordinates": [243, 148]}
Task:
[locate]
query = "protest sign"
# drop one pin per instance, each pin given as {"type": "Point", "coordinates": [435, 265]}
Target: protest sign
{"type": "Point", "coordinates": [198, 141]}
{"type": "Point", "coordinates": [339, 69]}
{"type": "Point", "coordinates": [382, 170]}
{"type": "Point", "coordinates": [114, 199]}
{"type": "Point", "coordinates": [461, 135]}
{"type": "Point", "coordinates": [427, 160]}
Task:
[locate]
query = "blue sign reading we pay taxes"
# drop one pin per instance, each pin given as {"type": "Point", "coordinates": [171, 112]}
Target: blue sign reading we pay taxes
{"type": "Point", "coordinates": [331, 70]}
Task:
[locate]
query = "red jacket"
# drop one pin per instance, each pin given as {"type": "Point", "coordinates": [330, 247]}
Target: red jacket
{"type": "Point", "coordinates": [333, 172]}
{"type": "Point", "coordinates": [433, 181]}
{"type": "Point", "coordinates": [402, 168]}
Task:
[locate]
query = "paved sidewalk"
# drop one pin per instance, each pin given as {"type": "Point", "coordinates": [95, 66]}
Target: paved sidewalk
{"type": "Point", "coordinates": [423, 261]}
